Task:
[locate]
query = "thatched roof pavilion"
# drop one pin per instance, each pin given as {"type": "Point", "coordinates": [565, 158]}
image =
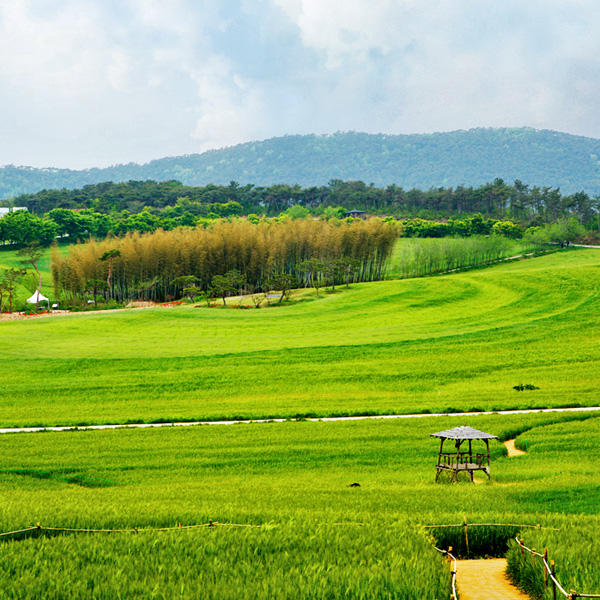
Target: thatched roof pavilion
{"type": "Point", "coordinates": [465, 461]}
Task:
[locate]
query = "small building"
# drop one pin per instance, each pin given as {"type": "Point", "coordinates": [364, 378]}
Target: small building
{"type": "Point", "coordinates": [463, 461]}
{"type": "Point", "coordinates": [356, 214]}
{"type": "Point", "coordinates": [4, 210]}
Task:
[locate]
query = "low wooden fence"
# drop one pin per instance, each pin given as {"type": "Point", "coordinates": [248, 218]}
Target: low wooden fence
{"type": "Point", "coordinates": [452, 562]}
{"type": "Point", "coordinates": [550, 574]}
{"type": "Point", "coordinates": [549, 566]}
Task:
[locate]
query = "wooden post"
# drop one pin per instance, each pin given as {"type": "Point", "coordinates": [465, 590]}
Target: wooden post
{"type": "Point", "coordinates": [438, 470]}
{"type": "Point", "coordinates": [470, 459]}
{"type": "Point", "coordinates": [545, 571]}
{"type": "Point", "coordinates": [573, 595]}
{"type": "Point", "coordinates": [533, 555]}
{"type": "Point", "coordinates": [522, 551]}
{"type": "Point", "coordinates": [39, 529]}
{"type": "Point", "coordinates": [466, 534]}
{"type": "Point", "coordinates": [458, 443]}
{"type": "Point", "coordinates": [553, 569]}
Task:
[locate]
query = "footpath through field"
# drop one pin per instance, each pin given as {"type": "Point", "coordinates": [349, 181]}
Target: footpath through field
{"type": "Point", "coordinates": [313, 419]}
{"type": "Point", "coordinates": [485, 579]}
{"type": "Point", "coordinates": [512, 449]}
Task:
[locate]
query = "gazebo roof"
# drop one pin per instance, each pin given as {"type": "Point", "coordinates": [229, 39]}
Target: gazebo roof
{"type": "Point", "coordinates": [464, 433]}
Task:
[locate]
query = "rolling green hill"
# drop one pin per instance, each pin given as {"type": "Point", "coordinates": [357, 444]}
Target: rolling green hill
{"type": "Point", "coordinates": [471, 158]}
{"type": "Point", "coordinates": [453, 342]}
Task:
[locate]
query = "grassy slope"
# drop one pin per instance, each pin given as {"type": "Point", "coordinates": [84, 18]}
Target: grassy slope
{"type": "Point", "coordinates": [293, 477]}
{"type": "Point", "coordinates": [460, 341]}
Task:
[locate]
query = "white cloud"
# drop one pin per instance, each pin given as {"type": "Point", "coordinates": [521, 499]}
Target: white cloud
{"type": "Point", "coordinates": [91, 82]}
{"type": "Point", "coordinates": [456, 63]}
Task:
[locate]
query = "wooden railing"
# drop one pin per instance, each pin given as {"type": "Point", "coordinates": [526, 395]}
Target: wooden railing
{"type": "Point", "coordinates": [453, 458]}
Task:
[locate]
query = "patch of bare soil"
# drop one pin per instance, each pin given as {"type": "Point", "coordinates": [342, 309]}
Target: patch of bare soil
{"type": "Point", "coordinates": [16, 316]}
{"type": "Point", "coordinates": [485, 579]}
{"type": "Point", "coordinates": [512, 449]}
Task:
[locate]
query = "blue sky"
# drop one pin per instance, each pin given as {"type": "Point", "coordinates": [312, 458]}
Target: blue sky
{"type": "Point", "coordinates": [97, 82]}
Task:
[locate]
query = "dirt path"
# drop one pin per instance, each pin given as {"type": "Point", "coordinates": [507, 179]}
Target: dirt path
{"type": "Point", "coordinates": [18, 316]}
{"type": "Point", "coordinates": [512, 449]}
{"type": "Point", "coordinates": [485, 579]}
{"type": "Point", "coordinates": [323, 419]}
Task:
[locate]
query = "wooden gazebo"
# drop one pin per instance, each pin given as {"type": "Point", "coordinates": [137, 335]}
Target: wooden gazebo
{"type": "Point", "coordinates": [465, 461]}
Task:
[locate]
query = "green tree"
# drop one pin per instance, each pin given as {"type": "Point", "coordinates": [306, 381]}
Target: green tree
{"type": "Point", "coordinates": [9, 279]}
{"type": "Point", "coordinates": [332, 270]}
{"type": "Point", "coordinates": [68, 223]}
{"type": "Point", "coordinates": [312, 269]}
{"type": "Point", "coordinates": [186, 284]}
{"type": "Point", "coordinates": [284, 283]}
{"type": "Point", "coordinates": [31, 256]}
{"type": "Point", "coordinates": [297, 212]}
{"type": "Point", "coordinates": [94, 286]}
{"type": "Point", "coordinates": [507, 229]}
{"type": "Point", "coordinates": [225, 285]}
{"type": "Point", "coordinates": [348, 267]}
{"type": "Point", "coordinates": [566, 230]}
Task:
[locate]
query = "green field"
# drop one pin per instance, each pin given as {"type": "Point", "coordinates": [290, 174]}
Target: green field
{"type": "Point", "coordinates": [320, 538]}
{"type": "Point", "coordinates": [453, 342]}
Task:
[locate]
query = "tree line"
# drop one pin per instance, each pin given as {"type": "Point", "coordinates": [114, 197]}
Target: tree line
{"type": "Point", "coordinates": [225, 257]}
{"type": "Point", "coordinates": [21, 228]}
{"type": "Point", "coordinates": [171, 200]}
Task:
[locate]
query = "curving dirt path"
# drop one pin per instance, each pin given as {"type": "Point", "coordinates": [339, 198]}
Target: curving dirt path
{"type": "Point", "coordinates": [512, 449]}
{"type": "Point", "coordinates": [485, 579]}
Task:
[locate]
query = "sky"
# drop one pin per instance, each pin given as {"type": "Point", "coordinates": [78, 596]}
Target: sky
{"type": "Point", "coordinates": [88, 83]}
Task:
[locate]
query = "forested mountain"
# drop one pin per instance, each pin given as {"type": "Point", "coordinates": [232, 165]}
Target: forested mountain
{"type": "Point", "coordinates": [471, 158]}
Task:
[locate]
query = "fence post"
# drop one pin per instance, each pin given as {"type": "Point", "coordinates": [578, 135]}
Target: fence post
{"type": "Point", "coordinates": [466, 534]}
{"type": "Point", "coordinates": [522, 551]}
{"type": "Point", "coordinates": [533, 555]}
{"type": "Point", "coordinates": [39, 529]}
{"type": "Point", "coordinates": [573, 595]}
{"type": "Point", "coordinates": [545, 570]}
{"type": "Point", "coordinates": [553, 569]}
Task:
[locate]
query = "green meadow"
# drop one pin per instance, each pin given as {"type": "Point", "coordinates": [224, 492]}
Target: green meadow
{"type": "Point", "coordinates": [318, 537]}
{"type": "Point", "coordinates": [454, 342]}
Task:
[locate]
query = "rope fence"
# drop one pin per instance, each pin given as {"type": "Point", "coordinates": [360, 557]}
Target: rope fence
{"type": "Point", "coordinates": [453, 570]}
{"type": "Point", "coordinates": [465, 524]}
{"type": "Point", "coordinates": [549, 567]}
{"type": "Point", "coordinates": [550, 572]}
{"type": "Point", "coordinates": [38, 529]}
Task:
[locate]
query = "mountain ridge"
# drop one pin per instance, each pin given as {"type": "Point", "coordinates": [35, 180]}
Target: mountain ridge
{"type": "Point", "coordinates": [538, 157]}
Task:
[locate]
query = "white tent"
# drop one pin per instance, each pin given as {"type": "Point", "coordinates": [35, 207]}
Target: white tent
{"type": "Point", "coordinates": [37, 298]}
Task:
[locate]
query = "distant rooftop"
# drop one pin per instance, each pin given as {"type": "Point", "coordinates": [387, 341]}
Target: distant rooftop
{"type": "Point", "coordinates": [5, 210]}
